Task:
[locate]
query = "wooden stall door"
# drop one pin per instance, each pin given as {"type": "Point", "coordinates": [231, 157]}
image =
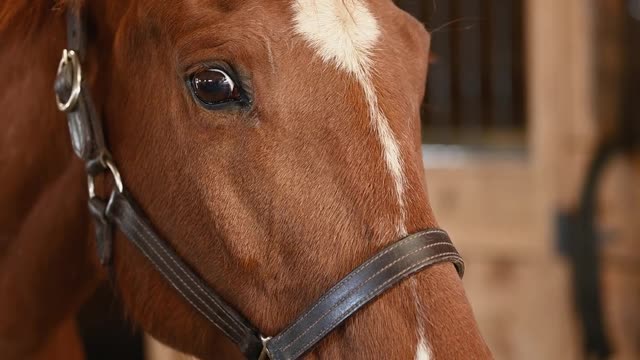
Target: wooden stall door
{"type": "Point", "coordinates": [500, 206]}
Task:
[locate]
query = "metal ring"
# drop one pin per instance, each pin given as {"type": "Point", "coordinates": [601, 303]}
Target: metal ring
{"type": "Point", "coordinates": [91, 184]}
{"type": "Point", "coordinates": [70, 57]}
{"type": "Point", "coordinates": [109, 165]}
{"type": "Point", "coordinates": [264, 354]}
{"type": "Point", "coordinates": [115, 174]}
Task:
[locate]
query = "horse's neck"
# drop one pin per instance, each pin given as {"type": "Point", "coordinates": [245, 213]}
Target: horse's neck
{"type": "Point", "coordinates": [34, 149]}
{"type": "Point", "coordinates": [46, 265]}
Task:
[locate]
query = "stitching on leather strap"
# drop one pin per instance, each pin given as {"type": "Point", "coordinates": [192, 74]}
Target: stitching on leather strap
{"type": "Point", "coordinates": [362, 284]}
{"type": "Point", "coordinates": [323, 332]}
{"type": "Point", "coordinates": [144, 238]}
{"type": "Point", "coordinates": [362, 267]}
{"type": "Point", "coordinates": [175, 286]}
{"type": "Point", "coordinates": [184, 271]}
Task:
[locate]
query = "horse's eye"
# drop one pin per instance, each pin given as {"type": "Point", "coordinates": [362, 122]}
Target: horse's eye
{"type": "Point", "coordinates": [214, 87]}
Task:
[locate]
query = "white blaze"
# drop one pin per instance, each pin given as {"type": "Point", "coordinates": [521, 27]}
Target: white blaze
{"type": "Point", "coordinates": [423, 352]}
{"type": "Point", "coordinates": [345, 32]}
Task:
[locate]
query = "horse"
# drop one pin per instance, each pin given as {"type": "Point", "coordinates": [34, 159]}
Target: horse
{"type": "Point", "coordinates": [273, 143]}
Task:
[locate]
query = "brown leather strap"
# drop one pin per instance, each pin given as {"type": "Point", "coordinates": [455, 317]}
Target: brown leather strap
{"type": "Point", "coordinates": [371, 279]}
{"type": "Point", "coordinates": [134, 224]}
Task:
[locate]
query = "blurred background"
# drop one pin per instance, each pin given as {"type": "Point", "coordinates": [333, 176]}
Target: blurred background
{"type": "Point", "coordinates": [530, 130]}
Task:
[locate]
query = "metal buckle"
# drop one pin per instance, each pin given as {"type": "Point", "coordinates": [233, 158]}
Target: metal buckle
{"type": "Point", "coordinates": [264, 354]}
{"type": "Point", "coordinates": [109, 165]}
{"type": "Point", "coordinates": [70, 57]}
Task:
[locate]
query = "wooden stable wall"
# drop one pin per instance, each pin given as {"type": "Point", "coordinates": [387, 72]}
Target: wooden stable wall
{"type": "Point", "coordinates": [500, 207]}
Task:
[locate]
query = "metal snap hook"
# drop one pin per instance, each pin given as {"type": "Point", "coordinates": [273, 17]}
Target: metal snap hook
{"type": "Point", "coordinates": [115, 174]}
{"type": "Point", "coordinates": [264, 354]}
{"type": "Point", "coordinates": [70, 58]}
{"type": "Point", "coordinates": [105, 164]}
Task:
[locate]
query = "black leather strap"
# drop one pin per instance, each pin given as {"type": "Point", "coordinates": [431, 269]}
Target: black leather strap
{"type": "Point", "coordinates": [84, 123]}
{"type": "Point", "coordinates": [134, 224]}
{"type": "Point", "coordinates": [369, 280]}
{"type": "Point", "coordinates": [76, 36]}
{"type": "Point", "coordinates": [365, 283]}
{"type": "Point", "coordinates": [103, 229]}
{"type": "Point", "coordinates": [85, 127]}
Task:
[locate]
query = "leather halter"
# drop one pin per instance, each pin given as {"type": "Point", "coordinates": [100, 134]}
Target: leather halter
{"type": "Point", "coordinates": [381, 272]}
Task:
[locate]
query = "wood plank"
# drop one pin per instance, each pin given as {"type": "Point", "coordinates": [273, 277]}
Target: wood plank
{"type": "Point", "coordinates": [619, 210]}
{"type": "Point", "coordinates": [438, 110]}
{"type": "Point", "coordinates": [155, 350]}
{"type": "Point", "coordinates": [492, 206]}
{"type": "Point", "coordinates": [502, 69]}
{"type": "Point", "coordinates": [469, 64]}
{"type": "Point", "coordinates": [523, 308]}
{"type": "Point", "coordinates": [622, 289]}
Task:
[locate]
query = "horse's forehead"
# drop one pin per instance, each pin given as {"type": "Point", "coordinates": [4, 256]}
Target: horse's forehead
{"type": "Point", "coordinates": [343, 31]}
{"type": "Point", "coordinates": [327, 15]}
{"type": "Point", "coordinates": [340, 30]}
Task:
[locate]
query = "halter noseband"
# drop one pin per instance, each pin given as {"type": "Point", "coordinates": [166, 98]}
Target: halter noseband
{"type": "Point", "coordinates": [381, 272]}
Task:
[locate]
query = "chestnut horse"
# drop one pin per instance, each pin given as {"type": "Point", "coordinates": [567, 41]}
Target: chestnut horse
{"type": "Point", "coordinates": [300, 163]}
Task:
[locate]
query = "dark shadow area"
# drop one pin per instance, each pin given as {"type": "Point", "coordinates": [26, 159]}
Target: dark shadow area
{"type": "Point", "coordinates": [105, 332]}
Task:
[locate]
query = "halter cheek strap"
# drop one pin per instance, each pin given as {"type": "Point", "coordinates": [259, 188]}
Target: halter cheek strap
{"type": "Point", "coordinates": [130, 219]}
{"type": "Point", "coordinates": [363, 285]}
